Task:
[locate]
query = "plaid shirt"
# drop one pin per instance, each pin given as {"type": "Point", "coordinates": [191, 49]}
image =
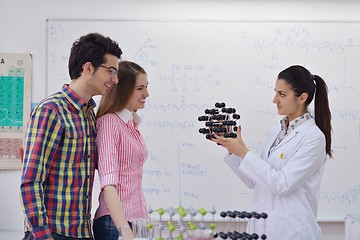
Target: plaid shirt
{"type": "Point", "coordinates": [59, 165]}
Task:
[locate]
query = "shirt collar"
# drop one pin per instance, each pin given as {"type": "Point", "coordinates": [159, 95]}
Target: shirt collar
{"type": "Point", "coordinates": [127, 116]}
{"type": "Point", "coordinates": [75, 98]}
{"type": "Point", "coordinates": [295, 122]}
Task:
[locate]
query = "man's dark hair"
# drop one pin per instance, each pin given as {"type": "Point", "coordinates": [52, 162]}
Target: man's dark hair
{"type": "Point", "coordinates": [91, 48]}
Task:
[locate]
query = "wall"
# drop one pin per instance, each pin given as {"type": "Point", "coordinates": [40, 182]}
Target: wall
{"type": "Point", "coordinates": [183, 85]}
{"type": "Point", "coordinates": [22, 30]}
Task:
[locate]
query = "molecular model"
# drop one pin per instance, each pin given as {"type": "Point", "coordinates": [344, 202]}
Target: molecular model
{"type": "Point", "coordinates": [253, 220]}
{"type": "Point", "coordinates": [191, 224]}
{"type": "Point", "coordinates": [182, 223]}
{"type": "Point", "coordinates": [219, 120]}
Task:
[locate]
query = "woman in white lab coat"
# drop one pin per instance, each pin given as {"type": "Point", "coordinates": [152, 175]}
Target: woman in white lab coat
{"type": "Point", "coordinates": [286, 176]}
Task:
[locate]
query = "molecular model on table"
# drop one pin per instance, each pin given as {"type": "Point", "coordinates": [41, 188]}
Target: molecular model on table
{"type": "Point", "coordinates": [188, 223]}
{"type": "Point", "coordinates": [181, 223]}
{"type": "Point", "coordinates": [234, 222]}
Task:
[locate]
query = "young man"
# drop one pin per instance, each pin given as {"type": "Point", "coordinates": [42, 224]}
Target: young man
{"type": "Point", "coordinates": [60, 151]}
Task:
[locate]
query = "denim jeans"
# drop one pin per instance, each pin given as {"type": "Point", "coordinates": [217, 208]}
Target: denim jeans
{"type": "Point", "coordinates": [105, 229]}
{"type": "Point", "coordinates": [29, 236]}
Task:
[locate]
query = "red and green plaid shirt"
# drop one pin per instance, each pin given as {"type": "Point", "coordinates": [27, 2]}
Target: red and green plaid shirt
{"type": "Point", "coordinates": [59, 165]}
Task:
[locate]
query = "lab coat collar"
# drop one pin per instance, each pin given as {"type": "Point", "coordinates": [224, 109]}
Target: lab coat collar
{"type": "Point", "coordinates": [301, 128]}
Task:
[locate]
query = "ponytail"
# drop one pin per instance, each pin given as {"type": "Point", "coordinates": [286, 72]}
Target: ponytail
{"type": "Point", "coordinates": [322, 111]}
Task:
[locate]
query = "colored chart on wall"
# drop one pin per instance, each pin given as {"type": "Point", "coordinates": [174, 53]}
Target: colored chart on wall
{"type": "Point", "coordinates": [15, 98]}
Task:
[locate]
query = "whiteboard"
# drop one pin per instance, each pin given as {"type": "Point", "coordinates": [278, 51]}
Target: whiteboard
{"type": "Point", "coordinates": [191, 65]}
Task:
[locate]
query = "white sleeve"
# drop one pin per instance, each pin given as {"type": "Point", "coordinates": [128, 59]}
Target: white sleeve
{"type": "Point", "coordinates": [234, 161]}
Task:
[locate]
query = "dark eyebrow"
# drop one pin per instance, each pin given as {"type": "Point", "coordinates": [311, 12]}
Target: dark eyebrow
{"type": "Point", "coordinates": [279, 90]}
{"type": "Point", "coordinates": [143, 85]}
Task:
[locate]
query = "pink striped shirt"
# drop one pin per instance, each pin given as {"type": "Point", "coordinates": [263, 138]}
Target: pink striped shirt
{"type": "Point", "coordinates": [122, 154]}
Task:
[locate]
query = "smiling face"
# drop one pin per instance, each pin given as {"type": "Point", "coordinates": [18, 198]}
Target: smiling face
{"type": "Point", "coordinates": [105, 77]}
{"type": "Point", "coordinates": [287, 102]}
{"type": "Point", "coordinates": [138, 97]}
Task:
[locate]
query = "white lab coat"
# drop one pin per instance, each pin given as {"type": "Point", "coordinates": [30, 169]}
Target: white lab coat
{"type": "Point", "coordinates": [286, 183]}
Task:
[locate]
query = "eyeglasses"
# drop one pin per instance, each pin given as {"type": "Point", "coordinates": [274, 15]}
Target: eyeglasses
{"type": "Point", "coordinates": [113, 71]}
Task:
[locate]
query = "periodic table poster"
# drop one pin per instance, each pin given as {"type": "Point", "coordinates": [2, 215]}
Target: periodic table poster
{"type": "Point", "coordinates": [15, 106]}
